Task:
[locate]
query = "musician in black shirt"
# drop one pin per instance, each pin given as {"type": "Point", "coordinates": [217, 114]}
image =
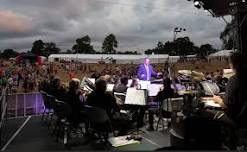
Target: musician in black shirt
{"type": "Point", "coordinates": [72, 97]}
{"type": "Point", "coordinates": [101, 99]}
{"type": "Point", "coordinates": [166, 93]}
{"type": "Point", "coordinates": [235, 100]}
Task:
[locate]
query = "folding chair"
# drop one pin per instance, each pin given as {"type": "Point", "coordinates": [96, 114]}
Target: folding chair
{"type": "Point", "coordinates": [47, 105]}
{"type": "Point", "coordinates": [62, 127]}
{"type": "Point", "coordinates": [98, 122]}
{"type": "Point", "coordinates": [166, 108]}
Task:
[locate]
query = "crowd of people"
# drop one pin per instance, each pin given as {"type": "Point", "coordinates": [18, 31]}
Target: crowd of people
{"type": "Point", "coordinates": [22, 78]}
{"type": "Point", "coordinates": [26, 77]}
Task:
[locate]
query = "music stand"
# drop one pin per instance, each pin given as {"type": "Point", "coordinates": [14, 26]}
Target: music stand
{"type": "Point", "coordinates": [136, 98]}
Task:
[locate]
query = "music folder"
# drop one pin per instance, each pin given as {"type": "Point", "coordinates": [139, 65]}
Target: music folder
{"type": "Point", "coordinates": [136, 97]}
{"type": "Point", "coordinates": [153, 89]}
{"type": "Point", "coordinates": [144, 84]}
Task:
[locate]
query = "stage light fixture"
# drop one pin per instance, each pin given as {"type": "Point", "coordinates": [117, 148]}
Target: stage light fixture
{"type": "Point", "coordinates": [197, 4]}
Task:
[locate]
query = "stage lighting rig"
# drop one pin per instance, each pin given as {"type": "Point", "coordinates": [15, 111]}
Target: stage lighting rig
{"type": "Point", "coordinates": [236, 8]}
{"type": "Point", "coordinates": [218, 7]}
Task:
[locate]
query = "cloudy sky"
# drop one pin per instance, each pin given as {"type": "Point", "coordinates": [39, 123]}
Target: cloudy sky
{"type": "Point", "coordinates": [137, 24]}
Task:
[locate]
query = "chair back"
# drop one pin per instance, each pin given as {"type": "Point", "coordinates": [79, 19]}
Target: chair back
{"type": "Point", "coordinates": [95, 115]}
{"type": "Point", "coordinates": [120, 97]}
{"type": "Point", "coordinates": [51, 100]}
{"type": "Point", "coordinates": [177, 104]}
{"type": "Point", "coordinates": [203, 131]}
{"type": "Point", "coordinates": [45, 100]}
{"type": "Point", "coordinates": [63, 109]}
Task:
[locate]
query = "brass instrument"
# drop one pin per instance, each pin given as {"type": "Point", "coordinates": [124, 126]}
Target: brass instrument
{"type": "Point", "coordinates": [87, 85]}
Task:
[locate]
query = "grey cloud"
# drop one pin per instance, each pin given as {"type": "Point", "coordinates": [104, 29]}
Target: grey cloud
{"type": "Point", "coordinates": [137, 24]}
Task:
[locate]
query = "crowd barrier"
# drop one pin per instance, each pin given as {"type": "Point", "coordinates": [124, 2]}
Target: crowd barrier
{"type": "Point", "coordinates": [3, 109]}
{"type": "Point", "coordinates": [24, 104]}
{"type": "Point", "coordinates": [3, 105]}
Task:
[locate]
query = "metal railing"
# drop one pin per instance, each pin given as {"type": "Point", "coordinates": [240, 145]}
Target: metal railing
{"type": "Point", "coordinates": [24, 104]}
{"type": "Point", "coordinates": [3, 109]}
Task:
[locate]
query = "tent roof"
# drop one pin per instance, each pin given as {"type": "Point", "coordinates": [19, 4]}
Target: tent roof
{"type": "Point", "coordinates": [221, 53]}
{"type": "Point", "coordinates": [107, 56]}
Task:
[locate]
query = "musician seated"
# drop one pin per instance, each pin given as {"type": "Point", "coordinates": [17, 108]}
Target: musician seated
{"type": "Point", "coordinates": [235, 100]}
{"type": "Point", "coordinates": [95, 75]}
{"type": "Point", "coordinates": [56, 89]}
{"type": "Point", "coordinates": [166, 93]}
{"type": "Point", "coordinates": [122, 86]}
{"type": "Point", "coordinates": [73, 98]}
{"type": "Point", "coordinates": [134, 83]}
{"type": "Point", "coordinates": [101, 99]}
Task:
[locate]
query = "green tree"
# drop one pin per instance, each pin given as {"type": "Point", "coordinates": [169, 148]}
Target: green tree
{"type": "Point", "coordinates": [69, 51]}
{"type": "Point", "coordinates": [38, 47]}
{"type": "Point", "coordinates": [50, 48]}
{"type": "Point", "coordinates": [205, 50]}
{"type": "Point", "coordinates": [109, 44]}
{"type": "Point", "coordinates": [83, 45]}
{"type": "Point", "coordinates": [149, 51]}
{"type": "Point", "coordinates": [228, 36]}
{"type": "Point", "coordinates": [184, 46]}
{"type": "Point", "coordinates": [9, 53]}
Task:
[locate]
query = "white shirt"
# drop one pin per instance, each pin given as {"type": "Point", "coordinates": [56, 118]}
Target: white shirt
{"type": "Point", "coordinates": [147, 70]}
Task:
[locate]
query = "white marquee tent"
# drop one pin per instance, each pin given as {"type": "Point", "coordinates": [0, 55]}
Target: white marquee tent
{"type": "Point", "coordinates": [108, 58]}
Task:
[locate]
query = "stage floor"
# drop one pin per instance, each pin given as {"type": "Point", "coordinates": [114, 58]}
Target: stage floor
{"type": "Point", "coordinates": [31, 134]}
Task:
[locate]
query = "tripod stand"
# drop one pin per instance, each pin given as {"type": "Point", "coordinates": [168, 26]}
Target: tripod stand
{"type": "Point", "coordinates": [140, 110]}
{"type": "Point", "coordinates": [136, 100]}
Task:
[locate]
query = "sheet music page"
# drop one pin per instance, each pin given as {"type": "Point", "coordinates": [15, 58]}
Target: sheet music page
{"type": "Point", "coordinates": [210, 103]}
{"type": "Point", "coordinates": [110, 87]}
{"type": "Point", "coordinates": [129, 83]}
{"type": "Point", "coordinates": [144, 84]}
{"type": "Point", "coordinates": [83, 82]}
{"type": "Point", "coordinates": [92, 80]}
{"type": "Point", "coordinates": [153, 89]}
{"type": "Point", "coordinates": [135, 97]}
{"type": "Point", "coordinates": [121, 141]}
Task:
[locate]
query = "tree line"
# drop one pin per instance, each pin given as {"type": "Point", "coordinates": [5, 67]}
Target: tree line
{"type": "Point", "coordinates": [182, 47]}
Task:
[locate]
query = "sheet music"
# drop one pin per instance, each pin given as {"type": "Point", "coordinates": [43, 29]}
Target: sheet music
{"type": "Point", "coordinates": [122, 141]}
{"type": "Point", "coordinates": [210, 88]}
{"type": "Point", "coordinates": [135, 97]}
{"type": "Point", "coordinates": [144, 84]}
{"type": "Point", "coordinates": [210, 103]}
{"type": "Point", "coordinates": [129, 83]}
{"type": "Point", "coordinates": [83, 84]}
{"type": "Point", "coordinates": [153, 89]}
{"type": "Point", "coordinates": [228, 73]}
{"type": "Point", "coordinates": [92, 80]}
{"type": "Point", "coordinates": [110, 87]}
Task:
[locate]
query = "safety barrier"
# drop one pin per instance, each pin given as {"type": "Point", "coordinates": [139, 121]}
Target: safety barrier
{"type": "Point", "coordinates": [24, 104]}
{"type": "Point", "coordinates": [3, 109]}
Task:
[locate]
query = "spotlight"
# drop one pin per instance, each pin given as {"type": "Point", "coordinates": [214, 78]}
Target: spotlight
{"type": "Point", "coordinates": [197, 4]}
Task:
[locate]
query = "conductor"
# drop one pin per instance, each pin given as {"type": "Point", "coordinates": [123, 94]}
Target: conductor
{"type": "Point", "coordinates": [145, 71]}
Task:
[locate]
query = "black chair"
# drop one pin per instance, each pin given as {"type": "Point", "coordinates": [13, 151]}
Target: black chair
{"type": "Point", "coordinates": [51, 102]}
{"type": "Point", "coordinates": [203, 133]}
{"type": "Point", "coordinates": [47, 106]}
{"type": "Point", "coordinates": [163, 113]}
{"type": "Point", "coordinates": [98, 121]}
{"type": "Point", "coordinates": [62, 127]}
{"type": "Point", "coordinates": [165, 110]}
